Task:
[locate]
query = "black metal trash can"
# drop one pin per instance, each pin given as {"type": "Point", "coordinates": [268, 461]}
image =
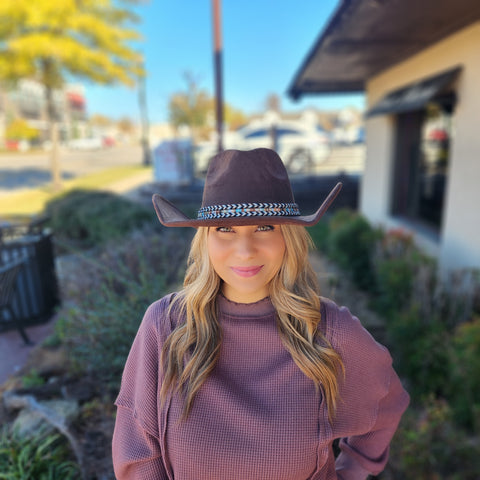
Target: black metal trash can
{"type": "Point", "coordinates": [36, 290]}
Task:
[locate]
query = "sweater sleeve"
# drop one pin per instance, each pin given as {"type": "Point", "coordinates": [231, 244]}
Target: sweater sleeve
{"type": "Point", "coordinates": [372, 398]}
{"type": "Point", "coordinates": [136, 453]}
{"type": "Point", "coordinates": [366, 454]}
{"type": "Point", "coordinates": [136, 449]}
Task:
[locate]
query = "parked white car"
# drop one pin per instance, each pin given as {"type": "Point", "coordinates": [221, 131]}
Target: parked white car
{"type": "Point", "coordinates": [301, 146]}
{"type": "Point", "coordinates": [90, 143]}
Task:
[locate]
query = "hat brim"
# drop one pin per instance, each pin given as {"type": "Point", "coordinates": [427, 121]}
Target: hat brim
{"type": "Point", "coordinates": [170, 216]}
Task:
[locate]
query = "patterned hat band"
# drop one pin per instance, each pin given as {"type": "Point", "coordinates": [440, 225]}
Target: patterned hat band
{"type": "Point", "coordinates": [248, 210]}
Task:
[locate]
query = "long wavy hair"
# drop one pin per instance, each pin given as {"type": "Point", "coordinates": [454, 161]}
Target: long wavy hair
{"type": "Point", "coordinates": [192, 349]}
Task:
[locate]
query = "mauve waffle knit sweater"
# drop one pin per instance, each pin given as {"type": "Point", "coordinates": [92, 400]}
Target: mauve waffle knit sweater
{"type": "Point", "coordinates": [257, 416]}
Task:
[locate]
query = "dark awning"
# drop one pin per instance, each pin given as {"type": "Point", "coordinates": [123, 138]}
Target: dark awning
{"type": "Point", "coordinates": [414, 96]}
{"type": "Point", "coordinates": [364, 38]}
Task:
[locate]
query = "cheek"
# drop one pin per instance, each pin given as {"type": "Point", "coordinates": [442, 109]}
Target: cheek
{"type": "Point", "coordinates": [280, 256]}
{"type": "Point", "coordinates": [279, 248]}
{"type": "Point", "coordinates": [211, 249]}
{"type": "Point", "coordinates": [215, 252]}
{"type": "Point", "coordinates": [277, 253]}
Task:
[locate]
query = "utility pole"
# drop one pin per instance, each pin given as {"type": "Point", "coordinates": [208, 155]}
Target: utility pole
{"type": "Point", "coordinates": [142, 103]}
{"type": "Point", "coordinates": [217, 58]}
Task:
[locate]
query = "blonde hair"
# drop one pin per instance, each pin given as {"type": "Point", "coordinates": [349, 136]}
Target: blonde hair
{"type": "Point", "coordinates": [192, 349]}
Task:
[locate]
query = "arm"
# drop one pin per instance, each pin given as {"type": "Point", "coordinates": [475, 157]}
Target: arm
{"type": "Point", "coordinates": [371, 399]}
{"type": "Point", "coordinates": [366, 454]}
{"type": "Point", "coordinates": [136, 445]}
{"type": "Point", "coordinates": [136, 453]}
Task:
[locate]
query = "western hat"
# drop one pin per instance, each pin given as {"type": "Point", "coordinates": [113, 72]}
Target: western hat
{"type": "Point", "coordinates": [244, 188]}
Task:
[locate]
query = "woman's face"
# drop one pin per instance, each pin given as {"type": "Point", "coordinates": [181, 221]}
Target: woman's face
{"type": "Point", "coordinates": [246, 258]}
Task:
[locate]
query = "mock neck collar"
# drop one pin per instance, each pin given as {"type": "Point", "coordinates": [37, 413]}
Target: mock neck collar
{"type": "Point", "coordinates": [262, 307]}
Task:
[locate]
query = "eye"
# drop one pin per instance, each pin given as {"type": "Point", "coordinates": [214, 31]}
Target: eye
{"type": "Point", "coordinates": [265, 228]}
{"type": "Point", "coordinates": [224, 229]}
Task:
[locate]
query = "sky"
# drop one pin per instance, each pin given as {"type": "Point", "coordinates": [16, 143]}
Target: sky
{"type": "Point", "coordinates": [264, 44]}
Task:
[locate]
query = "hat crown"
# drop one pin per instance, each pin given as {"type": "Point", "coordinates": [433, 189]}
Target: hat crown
{"type": "Point", "coordinates": [244, 188]}
{"type": "Point", "coordinates": [255, 176]}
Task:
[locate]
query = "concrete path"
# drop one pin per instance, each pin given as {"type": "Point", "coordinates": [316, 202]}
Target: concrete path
{"type": "Point", "coordinates": [13, 351]}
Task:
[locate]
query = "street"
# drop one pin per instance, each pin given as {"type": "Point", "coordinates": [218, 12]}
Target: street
{"type": "Point", "coordinates": [20, 171]}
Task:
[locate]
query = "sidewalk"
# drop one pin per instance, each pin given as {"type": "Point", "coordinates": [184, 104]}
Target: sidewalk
{"type": "Point", "coordinates": [14, 354]}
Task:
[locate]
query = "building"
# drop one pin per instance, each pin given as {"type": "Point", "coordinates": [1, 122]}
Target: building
{"type": "Point", "coordinates": [27, 101]}
{"type": "Point", "coordinates": [418, 63]}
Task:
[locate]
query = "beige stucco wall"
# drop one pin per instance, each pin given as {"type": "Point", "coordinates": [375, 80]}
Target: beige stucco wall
{"type": "Point", "coordinates": [459, 244]}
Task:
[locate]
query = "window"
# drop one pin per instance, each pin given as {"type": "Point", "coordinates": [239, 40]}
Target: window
{"type": "Point", "coordinates": [422, 153]}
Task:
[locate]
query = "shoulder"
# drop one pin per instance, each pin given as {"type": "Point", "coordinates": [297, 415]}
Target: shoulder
{"type": "Point", "coordinates": [158, 318]}
{"type": "Point", "coordinates": [346, 333]}
{"type": "Point", "coordinates": [367, 363]}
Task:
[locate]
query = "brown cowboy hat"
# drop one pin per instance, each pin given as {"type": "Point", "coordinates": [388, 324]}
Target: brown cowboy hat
{"type": "Point", "coordinates": [244, 188]}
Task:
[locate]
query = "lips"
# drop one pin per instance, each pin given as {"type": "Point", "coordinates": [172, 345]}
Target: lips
{"type": "Point", "coordinates": [247, 271]}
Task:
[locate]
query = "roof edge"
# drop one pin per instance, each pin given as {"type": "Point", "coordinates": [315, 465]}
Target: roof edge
{"type": "Point", "coordinates": [331, 24]}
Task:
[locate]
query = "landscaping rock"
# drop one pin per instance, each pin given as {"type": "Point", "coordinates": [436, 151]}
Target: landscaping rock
{"type": "Point", "coordinates": [48, 416]}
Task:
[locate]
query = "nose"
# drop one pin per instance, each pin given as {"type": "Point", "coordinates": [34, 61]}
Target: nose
{"type": "Point", "coordinates": [245, 247]}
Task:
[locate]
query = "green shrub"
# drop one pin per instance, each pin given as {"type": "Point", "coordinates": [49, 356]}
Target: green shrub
{"type": "Point", "coordinates": [404, 276]}
{"type": "Point", "coordinates": [342, 217]}
{"type": "Point", "coordinates": [107, 294]}
{"type": "Point", "coordinates": [394, 280]}
{"type": "Point", "coordinates": [350, 243]}
{"type": "Point", "coordinates": [42, 457]}
{"type": "Point", "coordinates": [428, 445]}
{"type": "Point", "coordinates": [99, 336]}
{"type": "Point", "coordinates": [458, 296]}
{"type": "Point", "coordinates": [464, 386]}
{"type": "Point", "coordinates": [433, 339]}
{"type": "Point", "coordinates": [420, 348]}
{"type": "Point", "coordinates": [83, 218]}
{"type": "Point", "coordinates": [319, 234]}
{"type": "Point", "coordinates": [32, 379]}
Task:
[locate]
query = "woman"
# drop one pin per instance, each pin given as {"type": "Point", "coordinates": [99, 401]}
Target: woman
{"type": "Point", "coordinates": [247, 373]}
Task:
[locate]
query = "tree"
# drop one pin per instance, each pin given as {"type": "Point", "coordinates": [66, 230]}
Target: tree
{"type": "Point", "coordinates": [126, 126]}
{"type": "Point", "coordinates": [100, 120]}
{"type": "Point", "coordinates": [234, 118]}
{"type": "Point", "coordinates": [50, 40]}
{"type": "Point", "coordinates": [195, 107]}
{"type": "Point", "coordinates": [19, 129]}
{"type": "Point", "coordinates": [192, 107]}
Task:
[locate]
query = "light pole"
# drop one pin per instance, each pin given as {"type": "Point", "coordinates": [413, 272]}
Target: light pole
{"type": "Point", "coordinates": [142, 103]}
{"type": "Point", "coordinates": [217, 58]}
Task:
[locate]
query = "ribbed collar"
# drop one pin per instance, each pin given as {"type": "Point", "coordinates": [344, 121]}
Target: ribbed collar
{"type": "Point", "coordinates": [261, 308]}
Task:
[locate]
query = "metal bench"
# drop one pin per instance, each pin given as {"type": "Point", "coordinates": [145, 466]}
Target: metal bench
{"type": "Point", "coordinates": [8, 279]}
